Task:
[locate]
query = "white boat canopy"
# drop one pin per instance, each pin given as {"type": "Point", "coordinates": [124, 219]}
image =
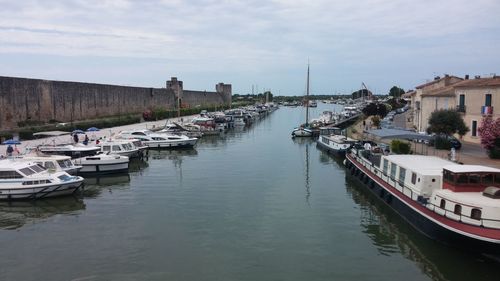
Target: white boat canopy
{"type": "Point", "coordinates": [52, 133]}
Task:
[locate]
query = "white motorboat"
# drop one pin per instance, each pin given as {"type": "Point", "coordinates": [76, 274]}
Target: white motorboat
{"type": "Point", "coordinates": [160, 140]}
{"type": "Point", "coordinates": [177, 129]}
{"type": "Point", "coordinates": [72, 150]}
{"type": "Point", "coordinates": [120, 147]}
{"type": "Point", "coordinates": [103, 164]}
{"type": "Point", "coordinates": [28, 180]}
{"type": "Point", "coordinates": [87, 157]}
{"type": "Point", "coordinates": [54, 163]}
{"type": "Point", "coordinates": [239, 120]}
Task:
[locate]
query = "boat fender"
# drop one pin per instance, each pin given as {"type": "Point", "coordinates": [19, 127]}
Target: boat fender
{"type": "Point", "coordinates": [388, 199]}
{"type": "Point", "coordinates": [381, 193]}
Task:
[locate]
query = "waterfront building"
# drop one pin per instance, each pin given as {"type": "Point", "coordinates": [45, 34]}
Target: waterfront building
{"type": "Point", "coordinates": [475, 99]}
{"type": "Point", "coordinates": [421, 112]}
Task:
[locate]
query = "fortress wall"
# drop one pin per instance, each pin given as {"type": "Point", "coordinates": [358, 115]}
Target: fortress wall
{"type": "Point", "coordinates": [24, 99]}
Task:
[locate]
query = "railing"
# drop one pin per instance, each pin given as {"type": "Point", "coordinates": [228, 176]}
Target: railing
{"type": "Point", "coordinates": [461, 108]}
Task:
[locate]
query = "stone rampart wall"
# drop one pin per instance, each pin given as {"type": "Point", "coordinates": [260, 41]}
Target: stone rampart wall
{"type": "Point", "coordinates": [24, 99]}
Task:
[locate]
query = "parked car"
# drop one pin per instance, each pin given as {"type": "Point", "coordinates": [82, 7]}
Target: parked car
{"type": "Point", "coordinates": [454, 142]}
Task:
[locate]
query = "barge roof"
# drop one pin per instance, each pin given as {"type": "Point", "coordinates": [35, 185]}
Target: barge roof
{"type": "Point", "coordinates": [425, 165]}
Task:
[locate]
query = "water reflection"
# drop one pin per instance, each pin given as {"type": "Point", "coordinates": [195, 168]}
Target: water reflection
{"type": "Point", "coordinates": [306, 142]}
{"type": "Point", "coordinates": [14, 215]}
{"type": "Point", "coordinates": [137, 165]}
{"type": "Point", "coordinates": [94, 185]}
{"type": "Point", "coordinates": [172, 154]}
{"type": "Point", "coordinates": [391, 235]}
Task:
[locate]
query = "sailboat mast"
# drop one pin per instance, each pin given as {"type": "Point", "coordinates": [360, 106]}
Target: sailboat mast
{"type": "Point", "coordinates": [307, 97]}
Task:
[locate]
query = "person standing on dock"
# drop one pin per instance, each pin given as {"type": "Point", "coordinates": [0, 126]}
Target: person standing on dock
{"type": "Point", "coordinates": [9, 150]}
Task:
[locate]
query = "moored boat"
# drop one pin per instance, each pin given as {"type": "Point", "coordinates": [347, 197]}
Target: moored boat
{"type": "Point", "coordinates": [333, 141]}
{"type": "Point", "coordinates": [20, 179]}
{"type": "Point", "coordinates": [103, 164]}
{"type": "Point", "coordinates": [455, 204]}
{"type": "Point", "coordinates": [57, 163]}
{"type": "Point", "coordinates": [160, 140]}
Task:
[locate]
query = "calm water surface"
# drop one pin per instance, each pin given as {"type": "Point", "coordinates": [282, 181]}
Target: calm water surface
{"type": "Point", "coordinates": [250, 205]}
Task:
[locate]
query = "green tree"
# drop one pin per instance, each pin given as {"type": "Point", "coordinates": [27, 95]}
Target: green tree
{"type": "Point", "coordinates": [447, 122]}
{"type": "Point", "coordinates": [375, 109]}
{"type": "Point", "coordinates": [396, 92]}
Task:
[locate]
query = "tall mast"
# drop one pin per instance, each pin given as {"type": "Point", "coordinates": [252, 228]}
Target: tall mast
{"type": "Point", "coordinates": [307, 97]}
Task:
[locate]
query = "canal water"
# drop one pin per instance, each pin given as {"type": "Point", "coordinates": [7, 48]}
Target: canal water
{"type": "Point", "coordinates": [250, 205]}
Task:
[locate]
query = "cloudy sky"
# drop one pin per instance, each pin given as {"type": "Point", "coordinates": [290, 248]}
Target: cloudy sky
{"type": "Point", "coordinates": [253, 42]}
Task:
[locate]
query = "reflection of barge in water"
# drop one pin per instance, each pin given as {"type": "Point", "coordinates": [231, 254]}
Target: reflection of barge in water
{"type": "Point", "coordinates": [455, 204]}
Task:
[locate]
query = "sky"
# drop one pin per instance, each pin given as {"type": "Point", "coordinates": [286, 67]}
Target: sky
{"type": "Point", "coordinates": [266, 45]}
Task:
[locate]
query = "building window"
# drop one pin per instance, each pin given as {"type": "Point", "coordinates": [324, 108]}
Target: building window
{"type": "Point", "coordinates": [475, 214]}
{"type": "Point", "coordinates": [436, 104]}
{"type": "Point", "coordinates": [461, 101]}
{"type": "Point", "coordinates": [458, 210]}
{"type": "Point", "coordinates": [442, 205]}
{"type": "Point", "coordinates": [446, 105]}
{"type": "Point", "coordinates": [487, 102]}
{"type": "Point", "coordinates": [474, 128]}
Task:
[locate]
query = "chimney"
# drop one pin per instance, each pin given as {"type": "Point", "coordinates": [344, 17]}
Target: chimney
{"type": "Point", "coordinates": [466, 76]}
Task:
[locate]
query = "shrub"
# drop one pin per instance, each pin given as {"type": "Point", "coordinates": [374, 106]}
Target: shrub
{"type": "Point", "coordinates": [400, 147]}
{"type": "Point", "coordinates": [441, 142]}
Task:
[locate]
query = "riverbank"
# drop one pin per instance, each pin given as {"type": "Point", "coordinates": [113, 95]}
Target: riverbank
{"type": "Point", "coordinates": [104, 134]}
{"type": "Point", "coordinates": [470, 153]}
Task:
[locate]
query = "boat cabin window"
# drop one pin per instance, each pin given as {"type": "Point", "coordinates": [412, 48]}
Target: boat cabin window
{"type": "Point", "coordinates": [27, 171]}
{"type": "Point", "coordinates": [471, 178]}
{"type": "Point", "coordinates": [138, 134]}
{"type": "Point", "coordinates": [49, 165]}
{"type": "Point", "coordinates": [413, 178]}
{"type": "Point", "coordinates": [402, 174]}
{"type": "Point", "coordinates": [37, 168]}
{"type": "Point", "coordinates": [10, 175]}
{"type": "Point", "coordinates": [325, 140]}
{"type": "Point", "coordinates": [458, 209]}
{"type": "Point", "coordinates": [475, 214]}
{"type": "Point", "coordinates": [394, 167]}
{"type": "Point", "coordinates": [116, 148]}
{"type": "Point", "coordinates": [386, 166]}
{"type": "Point", "coordinates": [442, 205]}
{"type": "Point", "coordinates": [106, 148]}
{"type": "Point", "coordinates": [487, 179]}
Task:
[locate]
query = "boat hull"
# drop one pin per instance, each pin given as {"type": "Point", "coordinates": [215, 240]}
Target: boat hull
{"type": "Point", "coordinates": [416, 219]}
{"type": "Point", "coordinates": [109, 168]}
{"type": "Point", "coordinates": [302, 133]}
{"type": "Point", "coordinates": [171, 144]}
{"type": "Point", "coordinates": [29, 193]}
{"type": "Point", "coordinates": [338, 152]}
